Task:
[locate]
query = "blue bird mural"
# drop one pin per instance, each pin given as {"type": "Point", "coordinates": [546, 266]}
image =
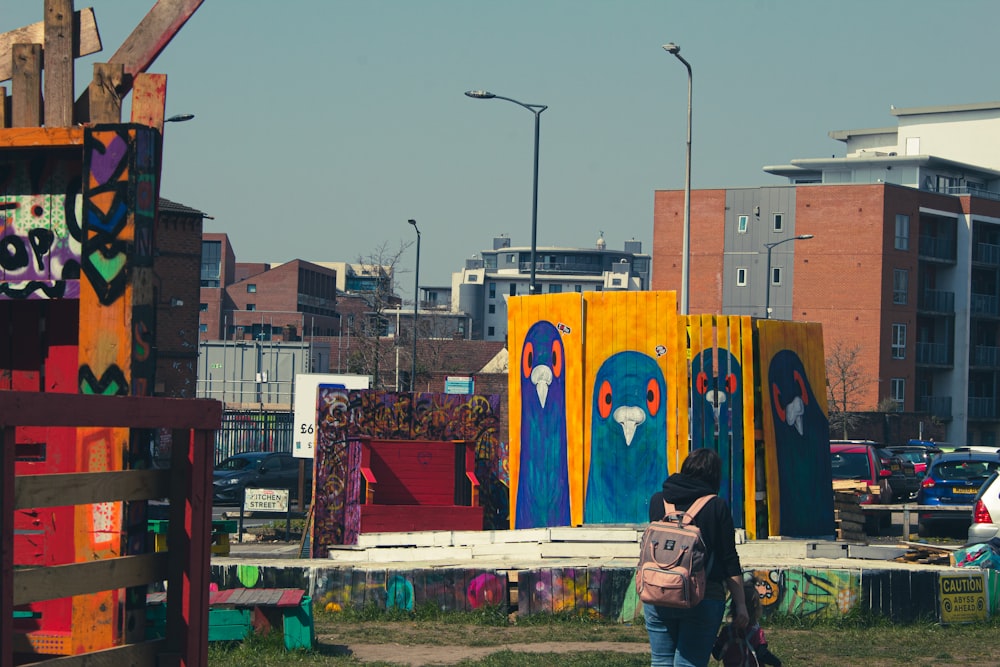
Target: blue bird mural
{"type": "Point", "coordinates": [628, 439]}
{"type": "Point", "coordinates": [717, 419]}
{"type": "Point", "coordinates": [802, 439]}
{"type": "Point", "coordinates": [543, 478]}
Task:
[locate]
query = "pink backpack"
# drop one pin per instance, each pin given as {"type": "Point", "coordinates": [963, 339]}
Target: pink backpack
{"type": "Point", "coordinates": [673, 559]}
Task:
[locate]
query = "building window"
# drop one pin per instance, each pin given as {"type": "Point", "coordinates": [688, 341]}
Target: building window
{"type": "Point", "coordinates": [741, 276]}
{"type": "Point", "coordinates": [779, 221]}
{"type": "Point", "coordinates": [775, 275]}
{"type": "Point", "coordinates": [203, 328]}
{"type": "Point", "coordinates": [513, 289]}
{"type": "Point", "coordinates": [578, 288]}
{"type": "Point", "coordinates": [741, 224]}
{"type": "Point", "coordinates": [899, 341]}
{"type": "Point", "coordinates": [555, 289]}
{"type": "Point", "coordinates": [902, 232]}
{"type": "Point", "coordinates": [211, 263]}
{"type": "Point", "coordinates": [251, 306]}
{"type": "Point", "coordinates": [203, 307]}
{"type": "Point", "coordinates": [493, 290]}
{"type": "Point", "coordinates": [616, 282]}
{"type": "Point", "coordinates": [898, 390]}
{"type": "Point", "coordinates": [251, 288]}
{"type": "Point", "coordinates": [489, 331]}
{"type": "Point", "coordinates": [492, 309]}
{"type": "Point", "coordinates": [900, 286]}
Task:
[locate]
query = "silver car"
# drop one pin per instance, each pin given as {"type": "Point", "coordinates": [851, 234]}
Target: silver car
{"type": "Point", "coordinates": [986, 511]}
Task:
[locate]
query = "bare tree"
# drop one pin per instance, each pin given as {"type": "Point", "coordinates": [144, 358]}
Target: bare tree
{"type": "Point", "coordinates": [377, 271]}
{"type": "Point", "coordinates": [844, 383]}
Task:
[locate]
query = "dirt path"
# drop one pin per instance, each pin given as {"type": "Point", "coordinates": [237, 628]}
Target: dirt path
{"type": "Point", "coordinates": [420, 655]}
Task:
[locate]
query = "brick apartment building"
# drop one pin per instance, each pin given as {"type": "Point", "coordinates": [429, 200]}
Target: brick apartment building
{"type": "Point", "coordinates": [903, 260]}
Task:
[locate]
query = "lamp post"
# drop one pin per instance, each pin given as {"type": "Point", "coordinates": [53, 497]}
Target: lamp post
{"type": "Point", "coordinates": [179, 118]}
{"type": "Point", "coordinates": [536, 109]}
{"type": "Point", "coordinates": [686, 243]}
{"type": "Point", "coordinates": [770, 247]}
{"type": "Point", "coordinates": [416, 303]}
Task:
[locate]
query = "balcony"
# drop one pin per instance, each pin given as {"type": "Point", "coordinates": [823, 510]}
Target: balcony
{"type": "Point", "coordinates": [982, 408]}
{"type": "Point", "coordinates": [985, 356]}
{"type": "Point", "coordinates": [563, 268]}
{"type": "Point", "coordinates": [985, 253]}
{"type": "Point", "coordinates": [934, 354]}
{"type": "Point", "coordinates": [967, 190]}
{"type": "Point", "coordinates": [936, 406]}
{"type": "Point", "coordinates": [938, 248]}
{"type": "Point", "coordinates": [936, 301]}
{"type": "Point", "coordinates": [984, 305]}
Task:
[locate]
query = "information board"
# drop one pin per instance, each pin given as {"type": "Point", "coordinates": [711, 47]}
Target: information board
{"type": "Point", "coordinates": [304, 406]}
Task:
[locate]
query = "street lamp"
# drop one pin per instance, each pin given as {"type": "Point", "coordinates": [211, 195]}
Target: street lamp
{"type": "Point", "coordinates": [686, 243]}
{"type": "Point", "coordinates": [770, 246]}
{"type": "Point", "coordinates": [416, 303]}
{"type": "Point", "coordinates": [179, 118]}
{"type": "Point", "coordinates": [536, 109]}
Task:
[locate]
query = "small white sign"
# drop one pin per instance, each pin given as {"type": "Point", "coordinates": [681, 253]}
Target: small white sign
{"type": "Point", "coordinates": [265, 500]}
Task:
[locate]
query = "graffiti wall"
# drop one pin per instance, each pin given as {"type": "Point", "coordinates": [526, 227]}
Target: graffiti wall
{"type": "Point", "coordinates": [344, 415]}
{"type": "Point", "coordinates": [76, 250]}
{"type": "Point", "coordinates": [611, 390]}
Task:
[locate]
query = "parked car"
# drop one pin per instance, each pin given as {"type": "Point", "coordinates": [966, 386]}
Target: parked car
{"type": "Point", "coordinates": [953, 479]}
{"type": "Point", "coordinates": [904, 480]}
{"type": "Point", "coordinates": [860, 461]}
{"type": "Point", "coordinates": [919, 455]}
{"type": "Point", "coordinates": [986, 511]}
{"type": "Point", "coordinates": [268, 470]}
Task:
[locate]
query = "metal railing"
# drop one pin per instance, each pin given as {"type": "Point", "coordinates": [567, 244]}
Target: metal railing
{"type": "Point", "coordinates": [938, 406]}
{"type": "Point", "coordinates": [985, 355]}
{"type": "Point", "coordinates": [982, 407]}
{"type": "Point", "coordinates": [937, 354]}
{"type": "Point", "coordinates": [253, 430]}
{"type": "Point", "coordinates": [937, 301]}
{"type": "Point", "coordinates": [984, 304]}
{"type": "Point", "coordinates": [936, 247]}
{"type": "Point", "coordinates": [986, 253]}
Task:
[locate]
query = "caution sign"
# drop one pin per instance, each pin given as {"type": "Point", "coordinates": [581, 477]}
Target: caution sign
{"type": "Point", "coordinates": [963, 598]}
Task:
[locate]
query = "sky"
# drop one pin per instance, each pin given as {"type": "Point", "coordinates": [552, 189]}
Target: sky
{"type": "Point", "coordinates": [322, 126]}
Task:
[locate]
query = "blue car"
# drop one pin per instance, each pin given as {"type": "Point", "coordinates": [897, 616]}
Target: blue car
{"type": "Point", "coordinates": [952, 481]}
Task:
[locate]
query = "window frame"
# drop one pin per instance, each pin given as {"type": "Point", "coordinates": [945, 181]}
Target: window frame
{"type": "Point", "coordinates": [897, 392]}
{"type": "Point", "coordinates": [902, 238]}
{"type": "Point", "coordinates": [898, 341]}
{"type": "Point", "coordinates": [778, 222]}
{"type": "Point", "coordinates": [741, 276]}
{"type": "Point", "coordinates": [900, 286]}
{"type": "Point", "coordinates": [742, 223]}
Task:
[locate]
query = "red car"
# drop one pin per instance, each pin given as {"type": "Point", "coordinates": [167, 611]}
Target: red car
{"type": "Point", "coordinates": [860, 461]}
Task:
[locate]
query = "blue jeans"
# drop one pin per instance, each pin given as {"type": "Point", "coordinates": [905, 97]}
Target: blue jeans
{"type": "Point", "coordinates": [683, 637]}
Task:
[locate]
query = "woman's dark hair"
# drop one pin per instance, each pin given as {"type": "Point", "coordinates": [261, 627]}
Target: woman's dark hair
{"type": "Point", "coordinates": [704, 464]}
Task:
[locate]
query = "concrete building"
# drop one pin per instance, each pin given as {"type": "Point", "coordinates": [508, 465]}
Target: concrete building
{"type": "Point", "coordinates": [903, 263]}
{"type": "Point", "coordinates": [481, 288]}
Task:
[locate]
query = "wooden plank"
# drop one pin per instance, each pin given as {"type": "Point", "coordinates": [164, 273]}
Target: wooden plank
{"type": "Point", "coordinates": [7, 441]}
{"type": "Point", "coordinates": [86, 39]}
{"type": "Point", "coordinates": [41, 137]}
{"type": "Point", "coordinates": [141, 654]}
{"type": "Point", "coordinates": [59, 581]}
{"type": "Point", "coordinates": [56, 490]}
{"type": "Point", "coordinates": [33, 409]}
{"type": "Point", "coordinates": [59, 64]}
{"type": "Point", "coordinates": [149, 99]}
{"type": "Point", "coordinates": [4, 108]}
{"type": "Point", "coordinates": [26, 85]}
{"type": "Point", "coordinates": [140, 49]}
{"type": "Point", "coordinates": [105, 98]}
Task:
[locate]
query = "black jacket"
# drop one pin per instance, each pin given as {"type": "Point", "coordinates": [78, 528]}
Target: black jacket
{"type": "Point", "coordinates": [715, 521]}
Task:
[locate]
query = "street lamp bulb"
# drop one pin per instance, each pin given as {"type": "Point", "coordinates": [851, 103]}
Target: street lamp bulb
{"type": "Point", "coordinates": [412, 222]}
{"type": "Point", "coordinates": [670, 47]}
{"type": "Point", "coordinates": [179, 118]}
{"type": "Point", "coordinates": [480, 94]}
{"type": "Point", "coordinates": [804, 236]}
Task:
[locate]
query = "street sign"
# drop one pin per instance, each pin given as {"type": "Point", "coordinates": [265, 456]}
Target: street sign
{"type": "Point", "coordinates": [265, 500]}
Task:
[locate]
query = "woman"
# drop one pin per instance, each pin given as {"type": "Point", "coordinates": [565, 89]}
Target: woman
{"type": "Point", "coordinates": [684, 637]}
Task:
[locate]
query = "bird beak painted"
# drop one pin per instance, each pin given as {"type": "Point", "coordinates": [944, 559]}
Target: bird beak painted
{"type": "Point", "coordinates": [629, 418]}
{"type": "Point", "coordinates": [541, 377]}
{"type": "Point", "coordinates": [715, 399]}
{"type": "Point", "coordinates": [794, 412]}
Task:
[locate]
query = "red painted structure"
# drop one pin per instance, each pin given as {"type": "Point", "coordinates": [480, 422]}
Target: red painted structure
{"type": "Point", "coordinates": [413, 485]}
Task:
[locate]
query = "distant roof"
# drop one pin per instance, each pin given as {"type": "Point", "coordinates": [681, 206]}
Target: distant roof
{"type": "Point", "coordinates": [946, 108]}
{"type": "Point", "coordinates": [168, 206]}
{"type": "Point", "coordinates": [844, 135]}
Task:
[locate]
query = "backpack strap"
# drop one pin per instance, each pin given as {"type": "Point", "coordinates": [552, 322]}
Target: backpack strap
{"type": "Point", "coordinates": [686, 516]}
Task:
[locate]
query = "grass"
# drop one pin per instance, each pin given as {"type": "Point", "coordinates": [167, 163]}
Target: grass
{"type": "Point", "coordinates": [856, 639]}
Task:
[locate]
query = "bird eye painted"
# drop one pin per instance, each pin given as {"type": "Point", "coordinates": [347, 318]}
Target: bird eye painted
{"type": "Point", "coordinates": [701, 382]}
{"type": "Point", "coordinates": [653, 397]}
{"type": "Point", "coordinates": [731, 383]}
{"type": "Point", "coordinates": [526, 359]}
{"type": "Point", "coordinates": [557, 358]}
{"type": "Point", "coordinates": [802, 386]}
{"type": "Point", "coordinates": [778, 407]}
{"type": "Point", "coordinates": [604, 400]}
